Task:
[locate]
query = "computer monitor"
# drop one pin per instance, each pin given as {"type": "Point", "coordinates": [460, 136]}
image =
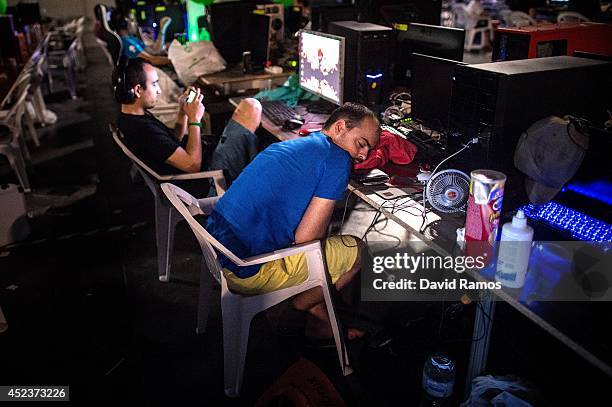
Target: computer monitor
{"type": "Point", "coordinates": [29, 13]}
{"type": "Point", "coordinates": [177, 13]}
{"type": "Point", "coordinates": [257, 42]}
{"type": "Point", "coordinates": [321, 14]}
{"type": "Point", "coordinates": [436, 41]}
{"type": "Point", "coordinates": [390, 12]}
{"type": "Point", "coordinates": [229, 27]}
{"type": "Point", "coordinates": [321, 65]}
{"type": "Point", "coordinates": [432, 85]}
{"type": "Point", "coordinates": [145, 14]}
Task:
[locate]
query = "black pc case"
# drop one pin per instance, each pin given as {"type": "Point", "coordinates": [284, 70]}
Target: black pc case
{"type": "Point", "coordinates": [498, 101]}
{"type": "Point", "coordinates": [366, 61]}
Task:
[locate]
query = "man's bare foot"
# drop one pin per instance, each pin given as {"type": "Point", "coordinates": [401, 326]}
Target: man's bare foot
{"type": "Point", "coordinates": [319, 329]}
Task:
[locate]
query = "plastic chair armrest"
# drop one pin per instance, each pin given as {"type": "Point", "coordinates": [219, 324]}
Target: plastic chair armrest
{"type": "Point", "coordinates": [194, 175]}
{"type": "Point", "coordinates": [282, 253]}
{"type": "Point", "coordinates": [208, 204]}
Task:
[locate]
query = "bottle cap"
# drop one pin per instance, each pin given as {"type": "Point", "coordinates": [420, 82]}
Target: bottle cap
{"type": "Point", "coordinates": [519, 220]}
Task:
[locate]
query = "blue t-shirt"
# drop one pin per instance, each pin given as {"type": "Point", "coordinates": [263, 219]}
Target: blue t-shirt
{"type": "Point", "coordinates": [132, 46]}
{"type": "Point", "coordinates": [264, 206]}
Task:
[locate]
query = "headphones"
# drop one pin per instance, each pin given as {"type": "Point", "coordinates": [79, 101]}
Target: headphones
{"type": "Point", "coordinates": [123, 94]}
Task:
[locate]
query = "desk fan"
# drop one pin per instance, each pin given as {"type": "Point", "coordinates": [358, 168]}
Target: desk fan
{"type": "Point", "coordinates": [448, 190]}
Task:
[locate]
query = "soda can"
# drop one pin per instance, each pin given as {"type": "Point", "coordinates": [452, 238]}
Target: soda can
{"type": "Point", "coordinates": [484, 205]}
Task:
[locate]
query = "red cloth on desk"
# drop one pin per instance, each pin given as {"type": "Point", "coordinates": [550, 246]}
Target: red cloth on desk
{"type": "Point", "coordinates": [391, 147]}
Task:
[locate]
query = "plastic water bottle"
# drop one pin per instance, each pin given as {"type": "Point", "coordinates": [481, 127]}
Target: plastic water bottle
{"type": "Point", "coordinates": [438, 380]}
{"type": "Point", "coordinates": [514, 251]}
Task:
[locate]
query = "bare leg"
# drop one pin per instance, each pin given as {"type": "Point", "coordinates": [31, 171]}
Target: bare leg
{"type": "Point", "coordinates": [313, 302]}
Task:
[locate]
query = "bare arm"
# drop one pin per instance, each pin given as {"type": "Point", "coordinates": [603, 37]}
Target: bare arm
{"type": "Point", "coordinates": [189, 159]}
{"type": "Point", "coordinates": [180, 128]}
{"type": "Point", "coordinates": [315, 221]}
{"type": "Point", "coordinates": [154, 59]}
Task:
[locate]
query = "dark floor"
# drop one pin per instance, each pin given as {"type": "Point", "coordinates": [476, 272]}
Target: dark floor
{"type": "Point", "coordinates": [85, 307]}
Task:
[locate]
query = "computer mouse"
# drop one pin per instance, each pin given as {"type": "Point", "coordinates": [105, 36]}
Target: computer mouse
{"type": "Point", "coordinates": [292, 124]}
{"type": "Point", "coordinates": [304, 132]}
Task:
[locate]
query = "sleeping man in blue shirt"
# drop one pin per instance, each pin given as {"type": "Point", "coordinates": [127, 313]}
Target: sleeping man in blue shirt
{"type": "Point", "coordinates": [286, 196]}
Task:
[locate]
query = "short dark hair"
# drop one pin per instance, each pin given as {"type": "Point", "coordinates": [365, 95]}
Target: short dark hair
{"type": "Point", "coordinates": [132, 71]}
{"type": "Point", "coordinates": [351, 113]}
{"type": "Point", "coordinates": [135, 74]}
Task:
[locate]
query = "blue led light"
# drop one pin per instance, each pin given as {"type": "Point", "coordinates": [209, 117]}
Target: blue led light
{"type": "Point", "coordinates": [581, 226]}
{"type": "Point", "coordinates": [600, 190]}
{"type": "Point", "coordinates": [374, 76]}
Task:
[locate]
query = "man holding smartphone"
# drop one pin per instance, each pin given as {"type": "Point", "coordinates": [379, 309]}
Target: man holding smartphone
{"type": "Point", "coordinates": [170, 152]}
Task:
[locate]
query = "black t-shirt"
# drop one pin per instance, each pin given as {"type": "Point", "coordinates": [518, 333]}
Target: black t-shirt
{"type": "Point", "coordinates": [150, 140]}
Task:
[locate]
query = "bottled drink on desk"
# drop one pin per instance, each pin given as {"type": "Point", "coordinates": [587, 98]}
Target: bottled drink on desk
{"type": "Point", "coordinates": [438, 381]}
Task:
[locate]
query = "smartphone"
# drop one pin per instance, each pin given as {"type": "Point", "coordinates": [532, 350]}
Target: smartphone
{"type": "Point", "coordinates": [191, 96]}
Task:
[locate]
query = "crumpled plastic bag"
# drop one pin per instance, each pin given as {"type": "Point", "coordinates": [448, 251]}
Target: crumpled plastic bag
{"type": "Point", "coordinates": [195, 59]}
{"type": "Point", "coordinates": [290, 92]}
{"type": "Point", "coordinates": [502, 391]}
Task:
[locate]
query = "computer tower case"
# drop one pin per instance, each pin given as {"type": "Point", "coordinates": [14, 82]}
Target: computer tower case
{"type": "Point", "coordinates": [548, 40]}
{"type": "Point", "coordinates": [496, 102]}
{"type": "Point", "coordinates": [367, 50]}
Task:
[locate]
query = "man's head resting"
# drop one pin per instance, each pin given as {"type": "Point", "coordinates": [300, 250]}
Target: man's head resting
{"type": "Point", "coordinates": [354, 128]}
{"type": "Point", "coordinates": [136, 83]}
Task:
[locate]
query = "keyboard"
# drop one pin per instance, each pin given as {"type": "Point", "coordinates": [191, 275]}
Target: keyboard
{"type": "Point", "coordinates": [579, 225]}
{"type": "Point", "coordinates": [277, 111]}
{"type": "Point", "coordinates": [429, 148]}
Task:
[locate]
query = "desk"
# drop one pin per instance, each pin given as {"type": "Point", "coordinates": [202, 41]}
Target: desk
{"type": "Point", "coordinates": [232, 81]}
{"type": "Point", "coordinates": [278, 131]}
{"type": "Point", "coordinates": [440, 236]}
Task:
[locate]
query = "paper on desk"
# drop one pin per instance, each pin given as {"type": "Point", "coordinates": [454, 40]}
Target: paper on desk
{"type": "Point", "coordinates": [194, 60]}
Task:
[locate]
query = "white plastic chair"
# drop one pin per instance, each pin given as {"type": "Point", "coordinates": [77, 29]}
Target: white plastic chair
{"type": "Point", "coordinates": [238, 310]}
{"type": "Point", "coordinates": [39, 72]}
{"type": "Point", "coordinates": [465, 20]}
{"type": "Point", "coordinates": [12, 145]}
{"type": "Point", "coordinates": [21, 115]}
{"type": "Point", "coordinates": [504, 15]}
{"type": "Point", "coordinates": [109, 58]}
{"type": "Point", "coordinates": [166, 217]}
{"type": "Point", "coordinates": [571, 16]}
{"type": "Point", "coordinates": [521, 19]}
{"type": "Point", "coordinates": [66, 61]}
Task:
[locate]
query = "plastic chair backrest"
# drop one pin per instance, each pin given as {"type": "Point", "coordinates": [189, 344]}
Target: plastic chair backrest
{"type": "Point", "coordinates": [521, 19]}
{"type": "Point", "coordinates": [118, 139]}
{"type": "Point", "coordinates": [460, 15]}
{"type": "Point", "coordinates": [112, 39]}
{"type": "Point", "coordinates": [148, 173]}
{"type": "Point", "coordinates": [15, 114]}
{"type": "Point", "coordinates": [505, 16]}
{"type": "Point", "coordinates": [571, 16]}
{"type": "Point", "coordinates": [188, 207]}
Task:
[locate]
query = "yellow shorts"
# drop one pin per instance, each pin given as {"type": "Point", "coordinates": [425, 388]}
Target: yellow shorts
{"type": "Point", "coordinates": [340, 255]}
